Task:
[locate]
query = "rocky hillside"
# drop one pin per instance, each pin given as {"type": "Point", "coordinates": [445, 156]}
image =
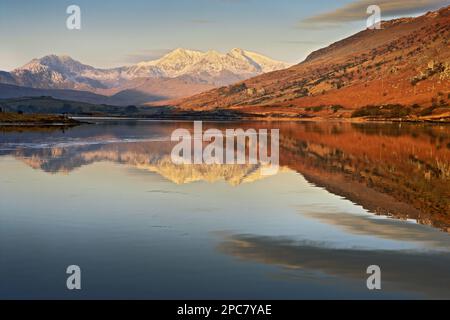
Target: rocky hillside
{"type": "Point", "coordinates": [402, 70]}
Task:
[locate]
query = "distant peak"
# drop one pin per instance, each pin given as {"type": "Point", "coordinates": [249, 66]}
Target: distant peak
{"type": "Point", "coordinates": [182, 51]}
{"type": "Point", "coordinates": [62, 57]}
{"type": "Point", "coordinates": [237, 51]}
{"type": "Point", "coordinates": [178, 50]}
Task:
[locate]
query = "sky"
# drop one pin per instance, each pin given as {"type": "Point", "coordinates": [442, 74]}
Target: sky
{"type": "Point", "coordinates": [115, 33]}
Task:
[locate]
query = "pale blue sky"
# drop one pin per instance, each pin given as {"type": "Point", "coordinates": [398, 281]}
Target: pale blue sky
{"type": "Point", "coordinates": [117, 32]}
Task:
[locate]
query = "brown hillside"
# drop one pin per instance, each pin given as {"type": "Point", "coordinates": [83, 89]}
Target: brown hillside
{"type": "Point", "coordinates": [407, 62]}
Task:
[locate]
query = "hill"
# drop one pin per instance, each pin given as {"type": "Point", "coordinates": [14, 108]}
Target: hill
{"type": "Point", "coordinates": [49, 105]}
{"type": "Point", "coordinates": [124, 98]}
{"type": "Point", "coordinates": [399, 71]}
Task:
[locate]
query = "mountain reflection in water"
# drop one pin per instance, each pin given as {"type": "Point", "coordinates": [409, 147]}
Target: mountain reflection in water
{"type": "Point", "coordinates": [108, 198]}
{"type": "Point", "coordinates": [401, 170]}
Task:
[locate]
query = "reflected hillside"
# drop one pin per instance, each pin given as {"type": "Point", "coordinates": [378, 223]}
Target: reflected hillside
{"type": "Point", "coordinates": [399, 170]}
{"type": "Point", "coordinates": [390, 169]}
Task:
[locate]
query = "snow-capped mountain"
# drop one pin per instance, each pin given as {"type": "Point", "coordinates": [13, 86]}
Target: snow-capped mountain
{"type": "Point", "coordinates": [211, 67]}
{"type": "Point", "coordinates": [63, 72]}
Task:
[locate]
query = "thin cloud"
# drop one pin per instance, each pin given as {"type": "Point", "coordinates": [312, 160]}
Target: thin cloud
{"type": "Point", "coordinates": [357, 11]}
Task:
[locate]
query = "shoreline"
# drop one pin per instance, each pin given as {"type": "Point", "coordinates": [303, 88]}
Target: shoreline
{"type": "Point", "coordinates": [37, 124]}
{"type": "Point", "coordinates": [37, 120]}
{"type": "Point", "coordinates": [9, 119]}
{"type": "Point", "coordinates": [266, 119]}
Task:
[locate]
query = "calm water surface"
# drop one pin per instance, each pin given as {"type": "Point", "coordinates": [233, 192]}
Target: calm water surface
{"type": "Point", "coordinates": [108, 198]}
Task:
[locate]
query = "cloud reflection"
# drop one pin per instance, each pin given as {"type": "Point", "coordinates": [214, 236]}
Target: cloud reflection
{"type": "Point", "coordinates": [417, 272]}
{"type": "Point", "coordinates": [384, 228]}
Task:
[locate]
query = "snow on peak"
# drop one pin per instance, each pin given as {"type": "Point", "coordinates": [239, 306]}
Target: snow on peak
{"type": "Point", "coordinates": [185, 62]}
{"type": "Point", "coordinates": [210, 67]}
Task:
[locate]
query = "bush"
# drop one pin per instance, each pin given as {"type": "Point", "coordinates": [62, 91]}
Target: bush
{"type": "Point", "coordinates": [303, 92]}
{"type": "Point", "coordinates": [369, 111]}
{"type": "Point", "coordinates": [427, 111]}
{"type": "Point", "coordinates": [318, 108]}
{"type": "Point", "coordinates": [339, 85]}
{"type": "Point", "coordinates": [336, 108]}
{"type": "Point", "coordinates": [398, 111]}
{"type": "Point", "coordinates": [238, 88]}
{"type": "Point", "coordinates": [386, 111]}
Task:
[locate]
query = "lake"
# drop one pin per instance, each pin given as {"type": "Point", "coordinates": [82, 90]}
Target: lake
{"type": "Point", "coordinates": [108, 198]}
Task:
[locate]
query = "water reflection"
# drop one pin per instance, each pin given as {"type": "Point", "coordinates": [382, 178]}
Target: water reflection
{"type": "Point", "coordinates": [109, 198]}
{"type": "Point", "coordinates": [401, 269]}
{"type": "Point", "coordinates": [383, 228]}
{"type": "Point", "coordinates": [390, 169]}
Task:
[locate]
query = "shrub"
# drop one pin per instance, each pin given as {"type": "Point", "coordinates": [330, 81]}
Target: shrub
{"type": "Point", "coordinates": [336, 108]}
{"type": "Point", "coordinates": [238, 88]}
{"type": "Point", "coordinates": [318, 108]}
{"type": "Point", "coordinates": [427, 111]}
{"type": "Point", "coordinates": [398, 111]}
{"type": "Point", "coordinates": [302, 92]}
{"type": "Point", "coordinates": [369, 111]}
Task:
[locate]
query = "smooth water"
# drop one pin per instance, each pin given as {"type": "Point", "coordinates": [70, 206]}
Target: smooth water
{"type": "Point", "coordinates": [107, 197]}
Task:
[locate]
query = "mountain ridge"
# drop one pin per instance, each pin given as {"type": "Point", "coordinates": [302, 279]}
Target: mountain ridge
{"type": "Point", "coordinates": [211, 67]}
{"type": "Point", "coordinates": [179, 73]}
{"type": "Point", "coordinates": [406, 63]}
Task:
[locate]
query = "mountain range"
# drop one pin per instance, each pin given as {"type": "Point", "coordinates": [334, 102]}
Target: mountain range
{"type": "Point", "coordinates": [179, 73]}
{"type": "Point", "coordinates": [401, 70]}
